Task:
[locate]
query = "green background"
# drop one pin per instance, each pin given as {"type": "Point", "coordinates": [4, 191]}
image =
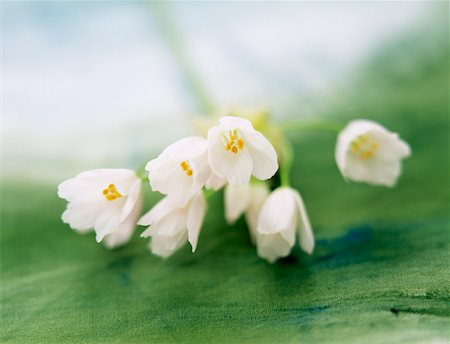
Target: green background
{"type": "Point", "coordinates": [379, 272]}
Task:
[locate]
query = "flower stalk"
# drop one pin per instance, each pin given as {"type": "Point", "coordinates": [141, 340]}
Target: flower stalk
{"type": "Point", "coordinates": [313, 125]}
{"type": "Point", "coordinates": [286, 163]}
{"type": "Point", "coordinates": [173, 37]}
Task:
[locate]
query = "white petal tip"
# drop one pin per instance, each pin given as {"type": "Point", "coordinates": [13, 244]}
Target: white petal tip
{"type": "Point", "coordinates": [230, 221]}
{"type": "Point", "coordinates": [145, 234]}
{"type": "Point", "coordinates": [111, 246]}
{"type": "Point", "coordinates": [268, 260]}
{"type": "Point", "coordinates": [308, 250]}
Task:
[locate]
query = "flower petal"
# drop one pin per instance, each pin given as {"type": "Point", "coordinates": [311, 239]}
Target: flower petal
{"type": "Point", "coordinates": [169, 225]}
{"type": "Point", "coordinates": [234, 122]}
{"type": "Point", "coordinates": [126, 228]}
{"type": "Point", "coordinates": [181, 190]}
{"type": "Point", "coordinates": [258, 195]}
{"type": "Point", "coordinates": [185, 149]}
{"type": "Point", "coordinates": [374, 172]}
{"type": "Point", "coordinates": [264, 156]}
{"type": "Point", "coordinates": [162, 173]}
{"type": "Point", "coordinates": [235, 168]}
{"type": "Point", "coordinates": [132, 198]}
{"type": "Point", "coordinates": [215, 182]}
{"type": "Point", "coordinates": [306, 236]}
{"type": "Point", "coordinates": [109, 219]}
{"type": "Point", "coordinates": [279, 212]}
{"type": "Point", "coordinates": [196, 215]}
{"type": "Point", "coordinates": [160, 210]}
{"type": "Point", "coordinates": [201, 172]}
{"type": "Point", "coordinates": [164, 246]}
{"type": "Point", "coordinates": [390, 146]}
{"type": "Point", "coordinates": [82, 216]}
{"type": "Point", "coordinates": [236, 201]}
{"type": "Point", "coordinates": [273, 246]}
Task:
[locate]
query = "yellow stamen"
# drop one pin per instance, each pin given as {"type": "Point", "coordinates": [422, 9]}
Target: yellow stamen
{"type": "Point", "coordinates": [234, 143]}
{"type": "Point", "coordinates": [364, 147]}
{"type": "Point", "coordinates": [184, 165]}
{"type": "Point", "coordinates": [111, 193]}
{"type": "Point", "coordinates": [186, 168]}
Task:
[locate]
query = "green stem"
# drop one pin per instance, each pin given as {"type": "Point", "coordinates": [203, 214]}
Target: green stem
{"type": "Point", "coordinates": [174, 40]}
{"type": "Point", "coordinates": [286, 163]}
{"type": "Point", "coordinates": [314, 125]}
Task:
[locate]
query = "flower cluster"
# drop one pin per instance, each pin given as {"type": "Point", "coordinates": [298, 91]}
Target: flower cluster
{"type": "Point", "coordinates": [236, 157]}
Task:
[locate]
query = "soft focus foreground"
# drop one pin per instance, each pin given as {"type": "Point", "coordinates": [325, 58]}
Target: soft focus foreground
{"type": "Point", "coordinates": [379, 271]}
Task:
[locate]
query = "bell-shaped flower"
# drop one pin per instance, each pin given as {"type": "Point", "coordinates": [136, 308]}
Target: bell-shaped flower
{"type": "Point", "coordinates": [258, 195]}
{"type": "Point", "coordinates": [106, 200]}
{"type": "Point", "coordinates": [180, 171]}
{"type": "Point", "coordinates": [236, 201]}
{"type": "Point", "coordinates": [170, 227]}
{"type": "Point", "coordinates": [283, 215]}
{"type": "Point", "coordinates": [236, 151]}
{"type": "Point", "coordinates": [248, 199]}
{"type": "Point", "coordinates": [368, 152]}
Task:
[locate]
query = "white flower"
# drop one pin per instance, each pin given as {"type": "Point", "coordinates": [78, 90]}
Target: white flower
{"type": "Point", "coordinates": [170, 227]}
{"type": "Point", "coordinates": [106, 200]}
{"type": "Point", "coordinates": [368, 152]}
{"type": "Point", "coordinates": [215, 182]}
{"type": "Point", "coordinates": [236, 151]}
{"type": "Point", "coordinates": [248, 199]}
{"type": "Point", "coordinates": [236, 200]}
{"type": "Point", "coordinates": [180, 171]}
{"type": "Point", "coordinates": [258, 195]}
{"type": "Point", "coordinates": [282, 214]}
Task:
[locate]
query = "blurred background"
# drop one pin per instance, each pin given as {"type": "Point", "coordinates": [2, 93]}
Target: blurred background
{"type": "Point", "coordinates": [95, 84]}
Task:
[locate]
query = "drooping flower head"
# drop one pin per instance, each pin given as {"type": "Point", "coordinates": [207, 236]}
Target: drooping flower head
{"type": "Point", "coordinates": [258, 195]}
{"type": "Point", "coordinates": [171, 227]}
{"type": "Point", "coordinates": [245, 199]}
{"type": "Point", "coordinates": [282, 215]}
{"type": "Point", "coordinates": [106, 200]}
{"type": "Point", "coordinates": [236, 201]}
{"type": "Point", "coordinates": [181, 170]}
{"type": "Point", "coordinates": [236, 151]}
{"type": "Point", "coordinates": [368, 152]}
